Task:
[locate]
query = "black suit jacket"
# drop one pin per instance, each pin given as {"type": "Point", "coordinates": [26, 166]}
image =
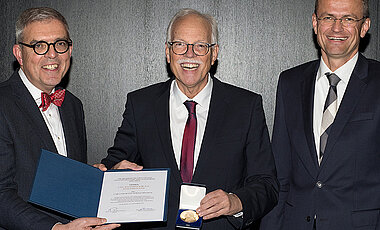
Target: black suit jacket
{"type": "Point", "coordinates": [235, 152]}
{"type": "Point", "coordinates": [23, 133]}
{"type": "Point", "coordinates": [344, 191]}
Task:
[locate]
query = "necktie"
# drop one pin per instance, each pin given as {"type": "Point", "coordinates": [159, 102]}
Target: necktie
{"type": "Point", "coordinates": [56, 98]}
{"type": "Point", "coordinates": [329, 112]}
{"type": "Point", "coordinates": [188, 143]}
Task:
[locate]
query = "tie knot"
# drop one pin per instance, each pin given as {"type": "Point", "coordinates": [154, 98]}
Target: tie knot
{"type": "Point", "coordinates": [333, 78]}
{"type": "Point", "coordinates": [190, 106]}
{"type": "Point", "coordinates": [56, 98]}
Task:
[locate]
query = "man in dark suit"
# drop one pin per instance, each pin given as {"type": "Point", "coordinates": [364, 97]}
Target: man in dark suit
{"type": "Point", "coordinates": [35, 115]}
{"type": "Point", "coordinates": [230, 151]}
{"type": "Point", "coordinates": [326, 131]}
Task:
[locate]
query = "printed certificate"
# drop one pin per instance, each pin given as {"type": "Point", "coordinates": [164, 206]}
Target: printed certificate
{"type": "Point", "coordinates": [80, 190]}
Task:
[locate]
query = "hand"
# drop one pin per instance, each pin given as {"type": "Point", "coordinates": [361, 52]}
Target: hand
{"type": "Point", "coordinates": [218, 203]}
{"type": "Point", "coordinates": [86, 223]}
{"type": "Point", "coordinates": [124, 164]}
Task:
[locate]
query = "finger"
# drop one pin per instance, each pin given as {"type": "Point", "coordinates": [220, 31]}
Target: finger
{"type": "Point", "coordinates": [100, 166]}
{"type": "Point", "coordinates": [107, 226]}
{"type": "Point", "coordinates": [89, 221]}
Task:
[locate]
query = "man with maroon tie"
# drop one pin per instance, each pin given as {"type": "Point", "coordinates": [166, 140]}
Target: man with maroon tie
{"type": "Point", "coordinates": [206, 131]}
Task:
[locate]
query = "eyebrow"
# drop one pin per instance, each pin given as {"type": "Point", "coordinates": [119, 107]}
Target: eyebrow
{"type": "Point", "coordinates": [344, 16]}
{"type": "Point", "coordinates": [35, 41]}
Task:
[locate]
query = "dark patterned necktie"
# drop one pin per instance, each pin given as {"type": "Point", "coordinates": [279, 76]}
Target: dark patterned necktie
{"type": "Point", "coordinates": [56, 98]}
{"type": "Point", "coordinates": [329, 112]}
{"type": "Point", "coordinates": [188, 143]}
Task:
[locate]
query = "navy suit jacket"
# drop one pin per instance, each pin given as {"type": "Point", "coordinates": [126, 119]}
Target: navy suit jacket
{"type": "Point", "coordinates": [23, 133]}
{"type": "Point", "coordinates": [344, 191]}
{"type": "Point", "coordinates": [235, 153]}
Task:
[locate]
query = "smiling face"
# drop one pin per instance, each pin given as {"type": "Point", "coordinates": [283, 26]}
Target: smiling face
{"type": "Point", "coordinates": [337, 42]}
{"type": "Point", "coordinates": [189, 69]}
{"type": "Point", "coordinates": [43, 71]}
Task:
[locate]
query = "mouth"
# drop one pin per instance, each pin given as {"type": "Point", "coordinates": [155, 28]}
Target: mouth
{"type": "Point", "coordinates": [50, 67]}
{"type": "Point", "coordinates": [337, 38]}
{"type": "Point", "coordinates": [190, 66]}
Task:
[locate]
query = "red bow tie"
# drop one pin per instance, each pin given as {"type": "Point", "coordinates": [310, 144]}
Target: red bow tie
{"type": "Point", "coordinates": [56, 98]}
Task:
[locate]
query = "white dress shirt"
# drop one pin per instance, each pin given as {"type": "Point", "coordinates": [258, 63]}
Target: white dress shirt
{"type": "Point", "coordinates": [51, 116]}
{"type": "Point", "coordinates": [178, 117]}
{"type": "Point", "coordinates": [322, 86]}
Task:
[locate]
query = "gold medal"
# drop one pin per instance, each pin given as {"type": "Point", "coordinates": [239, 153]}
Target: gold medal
{"type": "Point", "coordinates": [189, 216]}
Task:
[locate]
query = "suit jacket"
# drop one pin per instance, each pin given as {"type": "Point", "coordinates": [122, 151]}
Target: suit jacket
{"type": "Point", "coordinates": [235, 153]}
{"type": "Point", "coordinates": [23, 133]}
{"type": "Point", "coordinates": [344, 191]}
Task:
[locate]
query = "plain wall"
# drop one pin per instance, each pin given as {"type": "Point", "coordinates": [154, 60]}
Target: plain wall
{"type": "Point", "coordinates": [119, 46]}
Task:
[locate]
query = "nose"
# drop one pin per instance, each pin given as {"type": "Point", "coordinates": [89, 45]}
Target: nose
{"type": "Point", "coordinates": [337, 25]}
{"type": "Point", "coordinates": [51, 52]}
{"type": "Point", "coordinates": [190, 53]}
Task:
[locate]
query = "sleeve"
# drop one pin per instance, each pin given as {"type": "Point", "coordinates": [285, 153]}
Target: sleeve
{"type": "Point", "coordinates": [125, 143]}
{"type": "Point", "coordinates": [260, 191]}
{"type": "Point", "coordinates": [15, 213]}
{"type": "Point", "coordinates": [281, 150]}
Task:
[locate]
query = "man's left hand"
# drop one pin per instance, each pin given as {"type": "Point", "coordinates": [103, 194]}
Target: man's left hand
{"type": "Point", "coordinates": [218, 203]}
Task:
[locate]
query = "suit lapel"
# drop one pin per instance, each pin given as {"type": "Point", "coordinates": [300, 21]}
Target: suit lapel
{"type": "Point", "coordinates": [67, 116]}
{"type": "Point", "coordinates": [163, 127]}
{"type": "Point", "coordinates": [354, 90]}
{"type": "Point", "coordinates": [216, 114]}
{"type": "Point", "coordinates": [25, 102]}
{"type": "Point", "coordinates": [307, 95]}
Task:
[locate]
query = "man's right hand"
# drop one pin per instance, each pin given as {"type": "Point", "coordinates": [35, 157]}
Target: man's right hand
{"type": "Point", "coordinates": [124, 164]}
{"type": "Point", "coordinates": [86, 223]}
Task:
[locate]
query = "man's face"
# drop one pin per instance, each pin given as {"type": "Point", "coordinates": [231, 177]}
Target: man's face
{"type": "Point", "coordinates": [43, 71]}
{"type": "Point", "coordinates": [189, 69]}
{"type": "Point", "coordinates": [338, 41]}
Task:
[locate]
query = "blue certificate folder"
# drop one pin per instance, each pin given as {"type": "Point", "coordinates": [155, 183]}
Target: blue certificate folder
{"type": "Point", "coordinates": [75, 188]}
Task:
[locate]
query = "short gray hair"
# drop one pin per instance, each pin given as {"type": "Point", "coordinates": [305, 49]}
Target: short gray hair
{"type": "Point", "coordinates": [365, 8]}
{"type": "Point", "coordinates": [187, 11]}
{"type": "Point", "coordinates": [37, 14]}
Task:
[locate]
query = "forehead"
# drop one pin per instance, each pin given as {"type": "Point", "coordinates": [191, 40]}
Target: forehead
{"type": "Point", "coordinates": [340, 7]}
{"type": "Point", "coordinates": [47, 30]}
{"type": "Point", "coordinates": [192, 27]}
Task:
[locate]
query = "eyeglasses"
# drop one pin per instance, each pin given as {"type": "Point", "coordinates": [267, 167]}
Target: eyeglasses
{"type": "Point", "coordinates": [42, 47]}
{"type": "Point", "coordinates": [346, 21]}
{"type": "Point", "coordinates": [199, 48]}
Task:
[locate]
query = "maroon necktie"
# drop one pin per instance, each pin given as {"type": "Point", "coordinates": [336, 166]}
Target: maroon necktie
{"type": "Point", "coordinates": [188, 143]}
{"type": "Point", "coordinates": [56, 98]}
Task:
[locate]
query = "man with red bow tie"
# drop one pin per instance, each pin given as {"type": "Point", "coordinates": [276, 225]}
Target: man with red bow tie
{"type": "Point", "coordinates": [35, 115]}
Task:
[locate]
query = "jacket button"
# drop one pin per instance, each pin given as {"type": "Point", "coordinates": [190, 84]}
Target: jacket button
{"type": "Point", "coordinates": [319, 184]}
{"type": "Point", "coordinates": [308, 218]}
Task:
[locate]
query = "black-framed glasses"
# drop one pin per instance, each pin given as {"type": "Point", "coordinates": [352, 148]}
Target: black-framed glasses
{"type": "Point", "coordinates": [42, 47]}
{"type": "Point", "coordinates": [346, 21]}
{"type": "Point", "coordinates": [199, 48]}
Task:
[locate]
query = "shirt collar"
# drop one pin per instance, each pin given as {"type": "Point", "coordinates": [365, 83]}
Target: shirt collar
{"type": "Point", "coordinates": [202, 98]}
{"type": "Point", "coordinates": [344, 72]}
{"type": "Point", "coordinates": [33, 90]}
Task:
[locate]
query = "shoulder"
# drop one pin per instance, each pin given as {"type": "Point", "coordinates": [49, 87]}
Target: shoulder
{"type": "Point", "coordinates": [233, 91]}
{"type": "Point", "coordinates": [151, 91]}
{"type": "Point", "coordinates": [373, 66]}
{"type": "Point", "coordinates": [302, 68]}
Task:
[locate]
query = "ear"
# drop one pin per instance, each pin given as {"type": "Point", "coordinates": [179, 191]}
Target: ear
{"type": "Point", "coordinates": [365, 27]}
{"type": "Point", "coordinates": [70, 49]}
{"type": "Point", "coordinates": [167, 52]}
{"type": "Point", "coordinates": [17, 52]}
{"type": "Point", "coordinates": [214, 53]}
{"type": "Point", "coordinates": [315, 23]}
